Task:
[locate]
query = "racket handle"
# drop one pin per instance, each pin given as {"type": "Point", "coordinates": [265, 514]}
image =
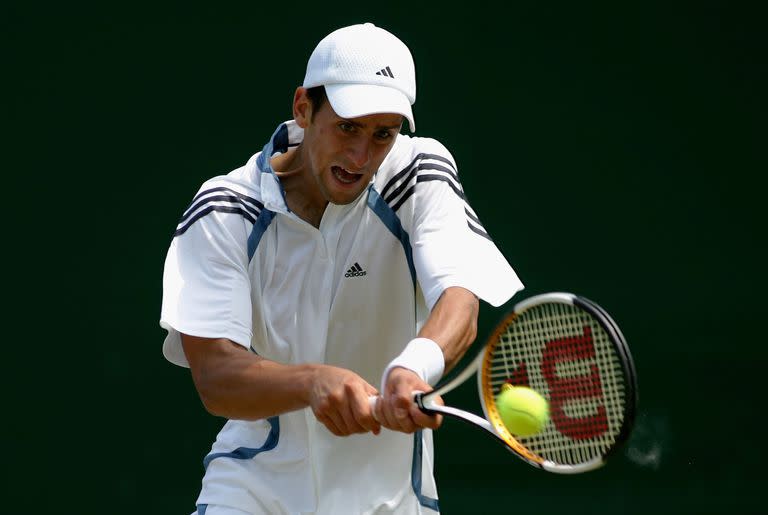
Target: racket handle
{"type": "Point", "coordinates": [417, 398]}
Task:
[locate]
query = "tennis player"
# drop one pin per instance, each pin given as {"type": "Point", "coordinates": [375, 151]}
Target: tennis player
{"type": "Point", "coordinates": [342, 261]}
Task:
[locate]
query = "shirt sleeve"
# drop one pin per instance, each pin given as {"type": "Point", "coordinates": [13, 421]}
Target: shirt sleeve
{"type": "Point", "coordinates": [206, 286]}
{"type": "Point", "coordinates": [450, 245]}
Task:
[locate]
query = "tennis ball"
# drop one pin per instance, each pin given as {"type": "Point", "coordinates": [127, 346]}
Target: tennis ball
{"type": "Point", "coordinates": [523, 411]}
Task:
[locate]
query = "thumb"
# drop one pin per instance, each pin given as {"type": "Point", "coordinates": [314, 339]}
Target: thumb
{"type": "Point", "coordinates": [371, 390]}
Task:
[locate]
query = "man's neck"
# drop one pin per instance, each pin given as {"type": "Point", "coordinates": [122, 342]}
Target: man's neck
{"type": "Point", "coordinates": [301, 192]}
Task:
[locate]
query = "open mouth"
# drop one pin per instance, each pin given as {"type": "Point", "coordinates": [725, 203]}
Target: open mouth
{"type": "Point", "coordinates": [345, 177]}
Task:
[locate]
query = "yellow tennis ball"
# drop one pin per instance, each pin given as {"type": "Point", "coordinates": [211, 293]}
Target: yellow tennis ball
{"type": "Point", "coordinates": [523, 411]}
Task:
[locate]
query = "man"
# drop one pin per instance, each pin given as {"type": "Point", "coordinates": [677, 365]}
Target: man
{"type": "Point", "coordinates": [340, 263]}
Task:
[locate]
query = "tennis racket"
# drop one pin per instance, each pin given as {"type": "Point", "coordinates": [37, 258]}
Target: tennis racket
{"type": "Point", "coordinates": [571, 352]}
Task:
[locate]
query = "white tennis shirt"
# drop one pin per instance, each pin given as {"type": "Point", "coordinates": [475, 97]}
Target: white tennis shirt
{"type": "Point", "coordinates": [352, 294]}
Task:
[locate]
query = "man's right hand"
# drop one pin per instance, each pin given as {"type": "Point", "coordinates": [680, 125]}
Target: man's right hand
{"type": "Point", "coordinates": [339, 399]}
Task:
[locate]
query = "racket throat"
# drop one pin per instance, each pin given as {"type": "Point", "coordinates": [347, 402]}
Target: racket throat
{"type": "Point", "coordinates": [428, 405]}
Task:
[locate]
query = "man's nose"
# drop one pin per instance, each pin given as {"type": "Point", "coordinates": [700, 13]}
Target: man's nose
{"type": "Point", "coordinates": [359, 153]}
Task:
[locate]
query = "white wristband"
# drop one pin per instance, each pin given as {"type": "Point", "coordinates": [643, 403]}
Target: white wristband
{"type": "Point", "coordinates": [421, 355]}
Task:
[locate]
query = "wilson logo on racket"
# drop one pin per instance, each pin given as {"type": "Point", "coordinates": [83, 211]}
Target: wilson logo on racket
{"type": "Point", "coordinates": [567, 352]}
{"type": "Point", "coordinates": [519, 375]}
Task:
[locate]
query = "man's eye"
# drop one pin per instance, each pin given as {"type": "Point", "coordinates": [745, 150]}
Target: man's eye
{"type": "Point", "coordinates": [346, 127]}
{"type": "Point", "coordinates": [383, 134]}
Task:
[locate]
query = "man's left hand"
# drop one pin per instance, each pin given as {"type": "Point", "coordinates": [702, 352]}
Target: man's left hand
{"type": "Point", "coordinates": [395, 408]}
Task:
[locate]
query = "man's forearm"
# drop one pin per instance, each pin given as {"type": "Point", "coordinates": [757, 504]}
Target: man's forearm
{"type": "Point", "coordinates": [238, 384]}
{"type": "Point", "coordinates": [452, 324]}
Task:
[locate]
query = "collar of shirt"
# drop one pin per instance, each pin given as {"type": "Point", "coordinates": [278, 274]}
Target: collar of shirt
{"type": "Point", "coordinates": [288, 134]}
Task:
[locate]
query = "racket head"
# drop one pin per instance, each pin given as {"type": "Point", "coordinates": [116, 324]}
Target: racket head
{"type": "Point", "coordinates": [570, 351]}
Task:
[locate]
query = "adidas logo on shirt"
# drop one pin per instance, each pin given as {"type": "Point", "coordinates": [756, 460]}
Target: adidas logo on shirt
{"type": "Point", "coordinates": [355, 271]}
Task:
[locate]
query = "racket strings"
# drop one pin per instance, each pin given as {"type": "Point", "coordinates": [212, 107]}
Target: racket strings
{"type": "Point", "coordinates": [566, 355]}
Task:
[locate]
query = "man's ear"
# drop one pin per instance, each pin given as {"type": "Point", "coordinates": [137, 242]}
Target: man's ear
{"type": "Point", "coordinates": [302, 107]}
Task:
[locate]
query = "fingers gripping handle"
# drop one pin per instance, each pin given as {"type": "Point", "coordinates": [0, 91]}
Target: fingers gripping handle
{"type": "Point", "coordinates": [426, 403]}
{"type": "Point", "coordinates": [423, 403]}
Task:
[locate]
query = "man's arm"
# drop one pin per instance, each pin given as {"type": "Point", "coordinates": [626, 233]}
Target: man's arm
{"type": "Point", "coordinates": [235, 383]}
{"type": "Point", "coordinates": [452, 324]}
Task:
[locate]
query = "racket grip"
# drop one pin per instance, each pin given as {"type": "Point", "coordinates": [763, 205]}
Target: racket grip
{"type": "Point", "coordinates": [417, 396]}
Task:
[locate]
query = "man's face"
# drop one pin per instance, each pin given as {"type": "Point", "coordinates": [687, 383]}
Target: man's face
{"type": "Point", "coordinates": [344, 153]}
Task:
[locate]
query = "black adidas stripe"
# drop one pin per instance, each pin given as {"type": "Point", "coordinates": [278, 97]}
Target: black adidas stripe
{"type": "Point", "coordinates": [478, 231]}
{"type": "Point", "coordinates": [399, 175]}
{"type": "Point", "coordinates": [434, 177]}
{"type": "Point", "coordinates": [407, 187]}
{"type": "Point", "coordinates": [210, 209]}
{"type": "Point", "coordinates": [248, 207]}
{"type": "Point", "coordinates": [220, 198]}
{"type": "Point", "coordinates": [426, 178]}
{"type": "Point", "coordinates": [239, 195]}
{"type": "Point", "coordinates": [472, 218]}
{"type": "Point", "coordinates": [415, 172]}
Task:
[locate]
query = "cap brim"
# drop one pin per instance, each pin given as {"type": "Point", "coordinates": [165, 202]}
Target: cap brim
{"type": "Point", "coordinates": [355, 100]}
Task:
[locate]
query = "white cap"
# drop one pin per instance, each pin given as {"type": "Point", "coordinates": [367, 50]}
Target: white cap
{"type": "Point", "coordinates": [365, 70]}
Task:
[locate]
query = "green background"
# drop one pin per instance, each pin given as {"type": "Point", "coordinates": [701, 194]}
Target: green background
{"type": "Point", "coordinates": [612, 151]}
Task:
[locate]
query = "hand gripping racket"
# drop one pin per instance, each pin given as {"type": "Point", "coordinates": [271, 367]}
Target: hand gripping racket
{"type": "Point", "coordinates": [571, 352]}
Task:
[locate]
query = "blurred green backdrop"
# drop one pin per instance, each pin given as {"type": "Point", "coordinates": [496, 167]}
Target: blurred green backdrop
{"type": "Point", "coordinates": [614, 150]}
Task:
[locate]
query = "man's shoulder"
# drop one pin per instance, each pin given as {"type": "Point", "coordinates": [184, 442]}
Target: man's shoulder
{"type": "Point", "coordinates": [411, 156]}
{"type": "Point", "coordinates": [408, 152]}
{"type": "Point", "coordinates": [420, 145]}
{"type": "Point", "coordinates": [241, 182]}
{"type": "Point", "coordinates": [237, 192]}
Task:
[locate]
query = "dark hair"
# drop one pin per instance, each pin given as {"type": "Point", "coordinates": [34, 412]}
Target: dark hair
{"type": "Point", "coordinates": [317, 96]}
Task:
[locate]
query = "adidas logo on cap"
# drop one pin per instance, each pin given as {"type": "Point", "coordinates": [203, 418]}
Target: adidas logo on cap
{"type": "Point", "coordinates": [355, 271]}
{"type": "Point", "coordinates": [386, 72]}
